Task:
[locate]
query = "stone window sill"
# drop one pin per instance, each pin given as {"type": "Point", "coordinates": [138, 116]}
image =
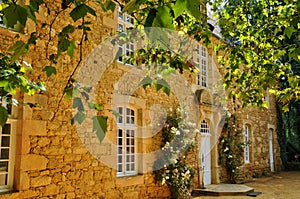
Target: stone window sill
{"type": "Point", "coordinates": [129, 180]}
{"type": "Point", "coordinates": [7, 191]}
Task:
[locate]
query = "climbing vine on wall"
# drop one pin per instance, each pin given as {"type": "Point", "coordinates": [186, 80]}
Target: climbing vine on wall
{"type": "Point", "coordinates": [172, 168]}
{"type": "Point", "coordinates": [231, 147]}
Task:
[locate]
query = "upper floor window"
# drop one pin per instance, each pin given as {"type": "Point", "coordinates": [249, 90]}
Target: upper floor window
{"type": "Point", "coordinates": [246, 145]}
{"type": "Point", "coordinates": [125, 21]}
{"type": "Point", "coordinates": [126, 142]}
{"type": "Point", "coordinates": [202, 61]}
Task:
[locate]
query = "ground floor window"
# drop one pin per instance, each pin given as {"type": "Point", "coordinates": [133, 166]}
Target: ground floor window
{"type": "Point", "coordinates": [126, 142]}
{"type": "Point", "coordinates": [7, 147]}
{"type": "Point", "coordinates": [246, 144]}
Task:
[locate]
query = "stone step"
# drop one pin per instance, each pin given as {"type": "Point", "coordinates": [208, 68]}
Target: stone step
{"type": "Point", "coordinates": [223, 190]}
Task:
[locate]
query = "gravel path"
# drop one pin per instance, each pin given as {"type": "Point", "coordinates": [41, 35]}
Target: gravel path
{"type": "Point", "coordinates": [285, 185]}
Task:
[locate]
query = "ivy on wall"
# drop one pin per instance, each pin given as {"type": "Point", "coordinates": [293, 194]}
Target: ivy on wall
{"type": "Point", "coordinates": [174, 171]}
{"type": "Point", "coordinates": [231, 147]}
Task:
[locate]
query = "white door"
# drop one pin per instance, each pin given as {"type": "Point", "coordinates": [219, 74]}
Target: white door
{"type": "Point", "coordinates": [206, 159]}
{"type": "Point", "coordinates": [271, 150]}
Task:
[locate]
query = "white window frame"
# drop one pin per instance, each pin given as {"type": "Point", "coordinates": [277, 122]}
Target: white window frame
{"type": "Point", "coordinates": [125, 21]}
{"type": "Point", "coordinates": [1, 18]}
{"type": "Point", "coordinates": [246, 145]}
{"type": "Point", "coordinates": [202, 62]}
{"type": "Point", "coordinates": [7, 172]}
{"type": "Point", "coordinates": [126, 142]}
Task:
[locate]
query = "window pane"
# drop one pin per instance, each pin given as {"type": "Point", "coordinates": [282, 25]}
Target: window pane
{"type": "Point", "coordinates": [132, 112]}
{"type": "Point", "coordinates": [5, 141]}
{"type": "Point", "coordinates": [120, 28]}
{"type": "Point", "coordinates": [4, 154]}
{"type": "Point", "coordinates": [120, 52]}
{"type": "Point", "coordinates": [119, 168]}
{"type": "Point", "coordinates": [120, 14]}
{"type": "Point", "coordinates": [120, 133]}
{"type": "Point", "coordinates": [120, 150]}
{"type": "Point", "coordinates": [120, 140]}
{"type": "Point", "coordinates": [132, 167]}
{"type": "Point", "coordinates": [3, 167]}
{"type": "Point", "coordinates": [3, 179]}
{"type": "Point", "coordinates": [6, 129]}
{"type": "Point", "coordinates": [120, 159]}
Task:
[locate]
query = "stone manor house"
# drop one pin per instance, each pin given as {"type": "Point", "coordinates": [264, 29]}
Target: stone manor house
{"type": "Point", "coordinates": [42, 155]}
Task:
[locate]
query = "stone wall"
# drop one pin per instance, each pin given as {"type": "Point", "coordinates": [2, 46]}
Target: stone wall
{"type": "Point", "coordinates": [54, 159]}
{"type": "Point", "coordinates": [260, 121]}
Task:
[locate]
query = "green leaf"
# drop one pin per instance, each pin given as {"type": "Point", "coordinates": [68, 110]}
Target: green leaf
{"type": "Point", "coordinates": [147, 81]}
{"type": "Point", "coordinates": [115, 113]}
{"type": "Point", "coordinates": [30, 13]}
{"type": "Point", "coordinates": [19, 48]}
{"type": "Point", "coordinates": [3, 115]}
{"type": "Point", "coordinates": [130, 6]}
{"type": "Point", "coordinates": [71, 48]}
{"type": "Point", "coordinates": [69, 91]}
{"type": "Point", "coordinates": [79, 117]}
{"type": "Point", "coordinates": [108, 5]}
{"type": "Point", "coordinates": [81, 11]}
{"type": "Point", "coordinates": [34, 4]}
{"type": "Point", "coordinates": [162, 84]}
{"type": "Point", "coordinates": [150, 18]}
{"type": "Point", "coordinates": [100, 126]}
{"type": "Point", "coordinates": [49, 70]}
{"type": "Point", "coordinates": [193, 7]}
{"type": "Point", "coordinates": [163, 18]}
{"type": "Point", "coordinates": [77, 103]}
{"type": "Point", "coordinates": [179, 7]}
{"type": "Point", "coordinates": [66, 30]}
{"type": "Point", "coordinates": [13, 14]}
{"type": "Point", "coordinates": [289, 31]}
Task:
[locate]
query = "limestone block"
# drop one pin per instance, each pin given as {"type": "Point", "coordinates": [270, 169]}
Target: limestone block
{"type": "Point", "coordinates": [24, 180]}
{"type": "Point", "coordinates": [40, 181]}
{"type": "Point", "coordinates": [33, 162]}
{"type": "Point", "coordinates": [40, 99]}
{"type": "Point", "coordinates": [72, 158]}
{"type": "Point", "coordinates": [34, 127]}
{"type": "Point", "coordinates": [51, 189]}
{"type": "Point", "coordinates": [66, 168]}
{"type": "Point", "coordinates": [56, 178]}
{"type": "Point", "coordinates": [73, 175]}
{"type": "Point", "coordinates": [70, 195]}
{"type": "Point", "coordinates": [31, 193]}
{"type": "Point", "coordinates": [54, 150]}
{"type": "Point", "coordinates": [131, 195]}
{"type": "Point", "coordinates": [79, 150]}
{"type": "Point", "coordinates": [67, 188]}
{"type": "Point", "coordinates": [61, 196]}
{"type": "Point", "coordinates": [107, 21]}
{"type": "Point", "coordinates": [43, 141]}
{"type": "Point", "coordinates": [112, 195]}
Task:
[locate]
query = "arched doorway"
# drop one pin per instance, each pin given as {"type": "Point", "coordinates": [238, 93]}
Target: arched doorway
{"type": "Point", "coordinates": [205, 153]}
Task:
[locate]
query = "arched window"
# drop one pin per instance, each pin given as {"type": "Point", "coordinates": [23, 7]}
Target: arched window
{"type": "Point", "coordinates": [246, 144]}
{"type": "Point", "coordinates": [126, 143]}
{"type": "Point", "coordinates": [204, 128]}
